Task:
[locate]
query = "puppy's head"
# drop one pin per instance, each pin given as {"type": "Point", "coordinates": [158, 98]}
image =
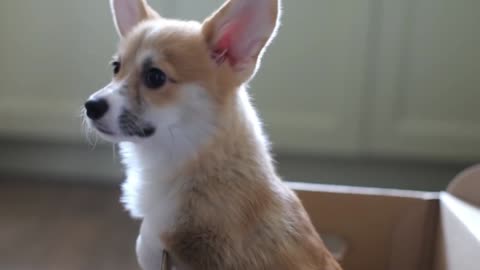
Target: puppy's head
{"type": "Point", "coordinates": [172, 79]}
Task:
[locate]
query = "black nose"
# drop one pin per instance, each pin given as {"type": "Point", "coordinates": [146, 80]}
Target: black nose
{"type": "Point", "coordinates": [96, 108]}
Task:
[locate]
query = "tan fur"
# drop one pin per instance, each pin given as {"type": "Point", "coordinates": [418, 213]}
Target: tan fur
{"type": "Point", "coordinates": [235, 213]}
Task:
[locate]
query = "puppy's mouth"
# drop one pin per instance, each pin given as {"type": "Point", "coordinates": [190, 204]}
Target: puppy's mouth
{"type": "Point", "coordinates": [103, 129]}
{"type": "Point", "coordinates": [131, 125]}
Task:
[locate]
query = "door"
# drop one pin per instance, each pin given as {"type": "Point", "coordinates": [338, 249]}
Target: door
{"type": "Point", "coordinates": [427, 94]}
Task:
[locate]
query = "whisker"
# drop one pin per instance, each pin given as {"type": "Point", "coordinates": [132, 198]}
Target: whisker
{"type": "Point", "coordinates": [88, 133]}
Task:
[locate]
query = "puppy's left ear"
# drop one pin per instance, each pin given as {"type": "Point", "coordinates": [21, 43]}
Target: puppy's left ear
{"type": "Point", "coordinates": [128, 13]}
{"type": "Point", "coordinates": [239, 32]}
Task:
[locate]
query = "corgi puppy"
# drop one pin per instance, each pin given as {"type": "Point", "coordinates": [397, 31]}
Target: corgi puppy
{"type": "Point", "coordinates": [198, 167]}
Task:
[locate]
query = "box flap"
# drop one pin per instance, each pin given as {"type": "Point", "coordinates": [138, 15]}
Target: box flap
{"type": "Point", "coordinates": [466, 186]}
{"type": "Point", "coordinates": [458, 246]}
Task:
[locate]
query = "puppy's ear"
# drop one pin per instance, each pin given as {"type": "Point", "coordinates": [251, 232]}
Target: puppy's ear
{"type": "Point", "coordinates": [128, 13]}
{"type": "Point", "coordinates": [239, 32]}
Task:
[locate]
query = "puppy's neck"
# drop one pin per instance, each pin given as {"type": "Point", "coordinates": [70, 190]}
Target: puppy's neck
{"type": "Point", "coordinates": [238, 144]}
{"type": "Point", "coordinates": [236, 139]}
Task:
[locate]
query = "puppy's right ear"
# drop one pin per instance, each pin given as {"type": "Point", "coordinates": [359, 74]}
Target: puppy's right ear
{"type": "Point", "coordinates": [128, 13]}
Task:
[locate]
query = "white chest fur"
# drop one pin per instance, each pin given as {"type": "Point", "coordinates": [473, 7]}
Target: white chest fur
{"type": "Point", "coordinates": [148, 189]}
{"type": "Point", "coordinates": [148, 194]}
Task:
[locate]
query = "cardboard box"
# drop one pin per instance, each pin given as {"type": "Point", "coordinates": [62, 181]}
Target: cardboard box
{"type": "Point", "coordinates": [382, 229]}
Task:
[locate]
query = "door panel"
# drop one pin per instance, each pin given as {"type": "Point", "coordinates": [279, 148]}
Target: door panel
{"type": "Point", "coordinates": [428, 83]}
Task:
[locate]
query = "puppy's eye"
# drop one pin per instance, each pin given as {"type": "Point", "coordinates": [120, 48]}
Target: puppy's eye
{"type": "Point", "coordinates": [116, 67]}
{"type": "Point", "coordinates": [155, 78]}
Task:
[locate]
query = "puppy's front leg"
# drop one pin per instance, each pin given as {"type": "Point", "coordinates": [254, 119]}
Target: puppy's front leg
{"type": "Point", "coordinates": [149, 256]}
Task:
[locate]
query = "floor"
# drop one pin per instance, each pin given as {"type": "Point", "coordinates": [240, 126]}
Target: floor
{"type": "Point", "coordinates": [67, 224]}
{"type": "Point", "coordinates": [46, 225]}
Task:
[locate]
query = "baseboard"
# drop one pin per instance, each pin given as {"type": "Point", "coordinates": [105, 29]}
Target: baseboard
{"type": "Point", "coordinates": [72, 162]}
{"type": "Point", "coordinates": [82, 162]}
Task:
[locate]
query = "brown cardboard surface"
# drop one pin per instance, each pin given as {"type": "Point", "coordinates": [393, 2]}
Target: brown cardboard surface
{"type": "Point", "coordinates": [383, 229]}
{"type": "Point", "coordinates": [413, 238]}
